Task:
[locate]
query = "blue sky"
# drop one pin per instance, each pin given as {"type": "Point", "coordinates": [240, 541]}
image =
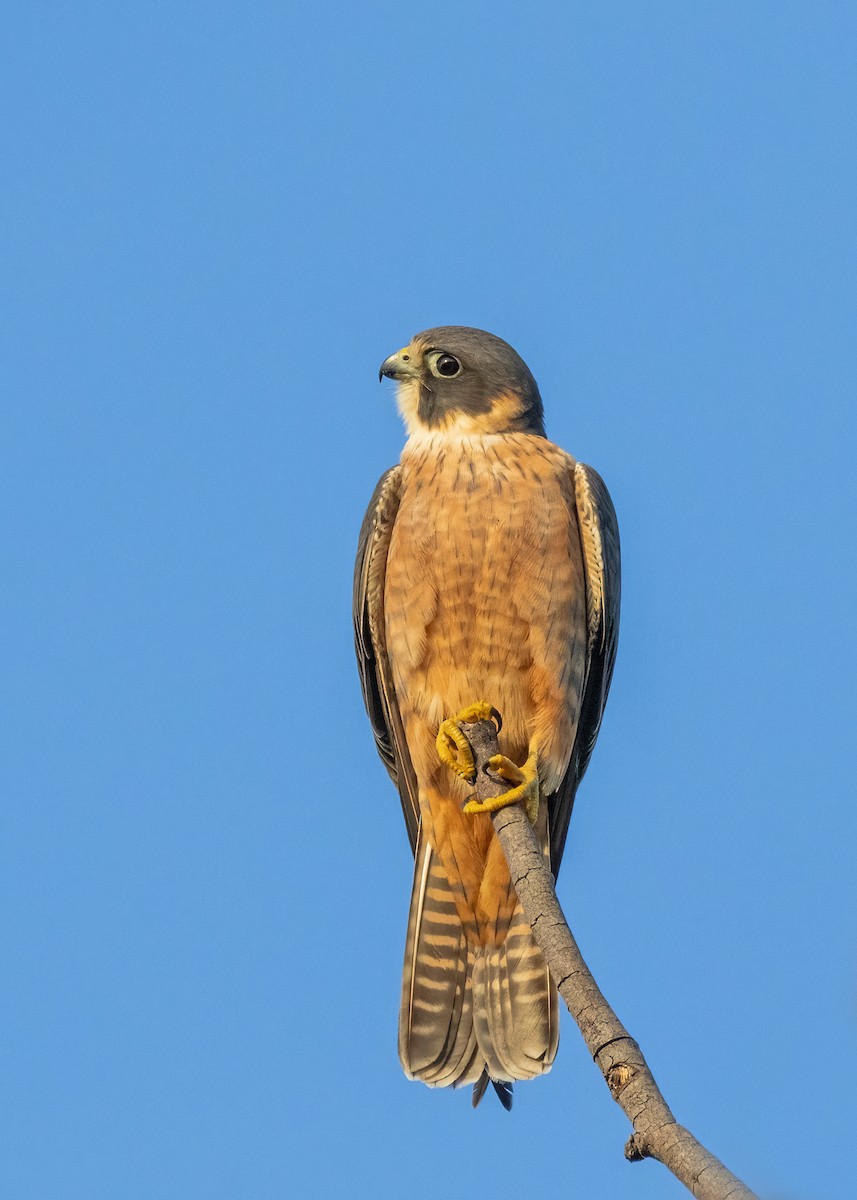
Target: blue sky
{"type": "Point", "coordinates": [216, 221]}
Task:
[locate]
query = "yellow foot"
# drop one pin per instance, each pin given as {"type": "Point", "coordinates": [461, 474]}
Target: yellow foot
{"type": "Point", "coordinates": [453, 747]}
{"type": "Point", "coordinates": [525, 791]}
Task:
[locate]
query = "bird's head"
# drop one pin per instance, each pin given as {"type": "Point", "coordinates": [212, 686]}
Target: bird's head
{"type": "Point", "coordinates": [464, 381]}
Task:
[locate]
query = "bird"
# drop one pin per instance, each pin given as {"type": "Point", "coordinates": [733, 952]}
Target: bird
{"type": "Point", "coordinates": [487, 584]}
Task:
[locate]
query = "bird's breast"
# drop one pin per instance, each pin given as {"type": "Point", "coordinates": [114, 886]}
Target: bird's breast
{"type": "Point", "coordinates": [480, 571]}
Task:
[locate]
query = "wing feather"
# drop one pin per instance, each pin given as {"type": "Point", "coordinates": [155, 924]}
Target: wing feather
{"type": "Point", "coordinates": [370, 643]}
{"type": "Point", "coordinates": [598, 531]}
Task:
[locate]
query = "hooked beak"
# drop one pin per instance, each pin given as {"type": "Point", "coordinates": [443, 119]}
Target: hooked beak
{"type": "Point", "coordinates": [399, 366]}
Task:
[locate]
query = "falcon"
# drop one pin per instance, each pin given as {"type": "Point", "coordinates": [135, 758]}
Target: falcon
{"type": "Point", "coordinates": [486, 583]}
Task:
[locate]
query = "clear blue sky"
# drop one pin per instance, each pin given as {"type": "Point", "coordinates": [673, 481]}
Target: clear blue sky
{"type": "Point", "coordinates": [216, 221]}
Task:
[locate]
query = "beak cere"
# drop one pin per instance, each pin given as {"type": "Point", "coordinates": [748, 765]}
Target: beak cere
{"type": "Point", "coordinates": [398, 366]}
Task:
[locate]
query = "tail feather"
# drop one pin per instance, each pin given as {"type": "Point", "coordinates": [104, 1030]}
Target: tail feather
{"type": "Point", "coordinates": [532, 995]}
{"type": "Point", "coordinates": [515, 1012]}
{"type": "Point", "coordinates": [437, 1042]}
{"type": "Point", "coordinates": [470, 1009]}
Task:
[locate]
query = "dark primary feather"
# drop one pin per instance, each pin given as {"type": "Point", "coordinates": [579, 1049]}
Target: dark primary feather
{"type": "Point", "coordinates": [595, 515]}
{"type": "Point", "coordinates": [500, 1086]}
{"type": "Point", "coordinates": [479, 1089]}
{"type": "Point", "coordinates": [504, 1092]}
{"type": "Point", "coordinates": [375, 677]}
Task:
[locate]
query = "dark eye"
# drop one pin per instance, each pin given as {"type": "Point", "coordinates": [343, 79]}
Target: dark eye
{"type": "Point", "coordinates": [447, 365]}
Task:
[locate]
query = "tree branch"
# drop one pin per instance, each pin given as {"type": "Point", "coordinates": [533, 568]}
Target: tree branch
{"type": "Point", "coordinates": [656, 1134]}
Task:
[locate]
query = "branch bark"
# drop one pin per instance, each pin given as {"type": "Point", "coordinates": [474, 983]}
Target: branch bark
{"type": "Point", "coordinates": [656, 1134]}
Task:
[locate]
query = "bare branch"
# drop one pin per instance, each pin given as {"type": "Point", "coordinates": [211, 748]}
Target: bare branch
{"type": "Point", "coordinates": [656, 1134]}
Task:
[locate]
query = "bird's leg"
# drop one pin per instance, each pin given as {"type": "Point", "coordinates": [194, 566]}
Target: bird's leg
{"type": "Point", "coordinates": [525, 790]}
{"type": "Point", "coordinates": [453, 747]}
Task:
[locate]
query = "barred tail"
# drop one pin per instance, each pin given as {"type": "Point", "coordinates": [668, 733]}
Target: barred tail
{"type": "Point", "coordinates": [437, 1042]}
{"type": "Point", "coordinates": [469, 1008]}
{"type": "Point", "coordinates": [515, 1006]}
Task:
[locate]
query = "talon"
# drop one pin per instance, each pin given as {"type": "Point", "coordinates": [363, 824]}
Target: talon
{"type": "Point", "coordinates": [480, 711]}
{"type": "Point", "coordinates": [525, 791]}
{"type": "Point", "coordinates": [506, 769]}
{"type": "Point", "coordinates": [453, 750]}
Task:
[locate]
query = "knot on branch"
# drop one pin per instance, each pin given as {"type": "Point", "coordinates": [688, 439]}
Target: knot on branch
{"type": "Point", "coordinates": [618, 1077]}
{"type": "Point", "coordinates": [636, 1149]}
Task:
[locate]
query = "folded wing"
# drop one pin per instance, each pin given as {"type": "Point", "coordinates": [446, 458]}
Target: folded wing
{"type": "Point", "coordinates": [598, 530]}
{"type": "Point", "coordinates": [371, 644]}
